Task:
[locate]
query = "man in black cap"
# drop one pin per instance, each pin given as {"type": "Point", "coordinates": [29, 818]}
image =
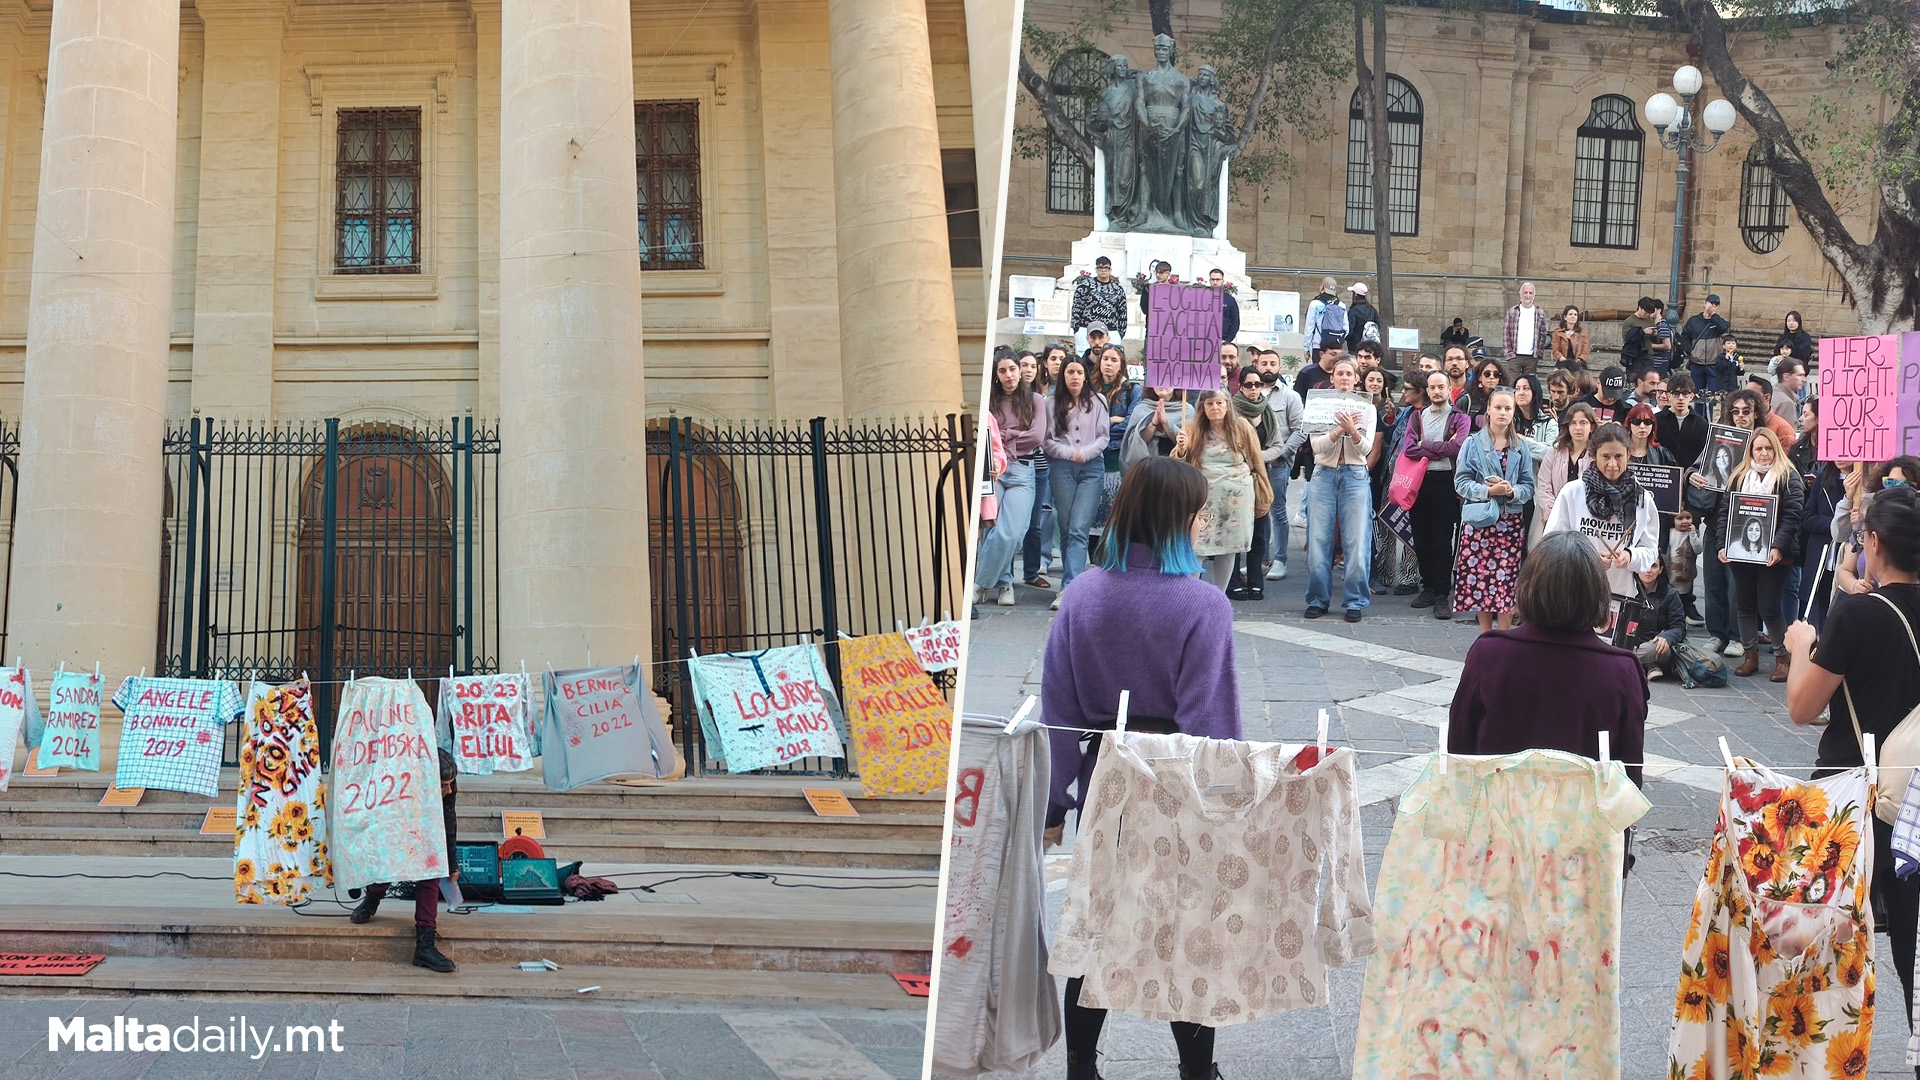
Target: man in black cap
{"type": "Point", "coordinates": [1699, 343]}
{"type": "Point", "coordinates": [1101, 298]}
{"type": "Point", "coordinates": [1609, 398]}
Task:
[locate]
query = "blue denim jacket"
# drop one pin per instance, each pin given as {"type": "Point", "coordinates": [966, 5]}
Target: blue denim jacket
{"type": "Point", "coordinates": [1479, 460]}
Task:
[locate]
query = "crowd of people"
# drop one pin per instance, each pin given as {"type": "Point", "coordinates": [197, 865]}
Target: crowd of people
{"type": "Point", "coordinates": [1437, 481]}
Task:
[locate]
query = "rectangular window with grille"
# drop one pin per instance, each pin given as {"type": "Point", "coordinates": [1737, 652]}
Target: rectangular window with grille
{"type": "Point", "coordinates": [666, 137]}
{"type": "Point", "coordinates": [377, 206]}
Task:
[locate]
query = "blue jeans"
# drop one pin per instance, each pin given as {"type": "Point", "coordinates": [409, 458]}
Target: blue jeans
{"type": "Point", "coordinates": [1076, 499]}
{"type": "Point", "coordinates": [1015, 488]}
{"type": "Point", "coordinates": [1278, 525]}
{"type": "Point", "coordinates": [1038, 547]}
{"type": "Point", "coordinates": [1342, 498]}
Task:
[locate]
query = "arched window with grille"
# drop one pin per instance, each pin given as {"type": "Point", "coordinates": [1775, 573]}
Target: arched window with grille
{"type": "Point", "coordinates": [1606, 176]}
{"type": "Point", "coordinates": [1076, 80]}
{"type": "Point", "coordinates": [1404, 119]}
{"type": "Point", "coordinates": [1763, 202]}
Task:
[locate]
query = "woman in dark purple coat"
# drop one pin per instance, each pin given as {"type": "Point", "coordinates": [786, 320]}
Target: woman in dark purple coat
{"type": "Point", "coordinates": [1551, 684]}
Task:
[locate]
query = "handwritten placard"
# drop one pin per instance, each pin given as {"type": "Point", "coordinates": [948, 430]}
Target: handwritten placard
{"type": "Point", "coordinates": [901, 725]}
{"type": "Point", "coordinates": [34, 768]}
{"type": "Point", "coordinates": [937, 647]}
{"type": "Point", "coordinates": [1859, 397]}
{"type": "Point", "coordinates": [915, 985]}
{"type": "Point", "coordinates": [487, 721]}
{"type": "Point", "coordinates": [769, 707]}
{"type": "Point", "coordinates": [72, 736]}
{"type": "Point", "coordinates": [1183, 337]}
{"type": "Point", "coordinates": [384, 805]}
{"type": "Point", "coordinates": [14, 963]}
{"type": "Point", "coordinates": [1403, 337]}
{"type": "Point", "coordinates": [523, 823]}
{"type": "Point", "coordinates": [1324, 406]}
{"type": "Point", "coordinates": [1910, 393]}
{"type": "Point", "coordinates": [829, 802]}
{"type": "Point", "coordinates": [220, 821]}
{"type": "Point", "coordinates": [122, 796]}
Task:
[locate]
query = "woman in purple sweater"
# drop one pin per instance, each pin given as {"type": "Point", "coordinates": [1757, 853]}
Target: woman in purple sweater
{"type": "Point", "coordinates": [1145, 590]}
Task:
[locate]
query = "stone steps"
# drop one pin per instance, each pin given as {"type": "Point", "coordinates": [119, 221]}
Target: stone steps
{"type": "Point", "coordinates": [562, 823]}
{"type": "Point", "coordinates": [334, 979]}
{"type": "Point", "coordinates": [790, 851]}
{"type": "Point", "coordinates": [659, 938]}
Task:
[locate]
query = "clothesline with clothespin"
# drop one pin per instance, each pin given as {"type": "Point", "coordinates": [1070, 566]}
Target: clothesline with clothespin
{"type": "Point", "coordinates": [1440, 754]}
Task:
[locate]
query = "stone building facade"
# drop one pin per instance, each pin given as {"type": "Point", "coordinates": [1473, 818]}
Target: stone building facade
{"type": "Point", "coordinates": [397, 212]}
{"type": "Point", "coordinates": [1488, 119]}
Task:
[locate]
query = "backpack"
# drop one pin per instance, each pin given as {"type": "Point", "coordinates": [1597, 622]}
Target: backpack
{"type": "Point", "coordinates": [1900, 751]}
{"type": "Point", "coordinates": [1333, 319]}
{"type": "Point", "coordinates": [1700, 668]}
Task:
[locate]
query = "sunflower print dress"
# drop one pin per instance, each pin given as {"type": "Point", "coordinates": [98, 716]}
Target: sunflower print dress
{"type": "Point", "coordinates": [1776, 976]}
{"type": "Point", "coordinates": [280, 832]}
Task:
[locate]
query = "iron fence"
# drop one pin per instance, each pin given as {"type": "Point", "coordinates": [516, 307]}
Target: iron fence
{"type": "Point", "coordinates": [309, 547]}
{"type": "Point", "coordinates": [10, 500]}
{"type": "Point", "coordinates": [768, 534]}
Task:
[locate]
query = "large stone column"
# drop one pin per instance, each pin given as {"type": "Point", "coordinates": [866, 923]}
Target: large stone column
{"type": "Point", "coordinates": [572, 392]}
{"type": "Point", "coordinates": [992, 38]}
{"type": "Point", "coordinates": [239, 206]}
{"type": "Point", "coordinates": [86, 557]}
{"type": "Point", "coordinates": [896, 285]}
{"type": "Point", "coordinates": [803, 286]}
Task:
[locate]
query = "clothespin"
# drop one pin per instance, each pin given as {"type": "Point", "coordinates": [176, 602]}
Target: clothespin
{"type": "Point", "coordinates": [844, 636]}
{"type": "Point", "coordinates": [636, 659]}
{"type": "Point", "coordinates": [253, 674]}
{"type": "Point", "coordinates": [96, 669]}
{"type": "Point", "coordinates": [303, 675]}
{"type": "Point", "coordinates": [946, 614]}
{"type": "Point", "coordinates": [1020, 714]}
{"type": "Point", "coordinates": [1440, 761]}
{"type": "Point", "coordinates": [449, 671]}
{"type": "Point", "coordinates": [1321, 740]}
{"type": "Point", "coordinates": [409, 674]}
{"type": "Point", "coordinates": [589, 656]}
{"type": "Point", "coordinates": [523, 667]}
{"type": "Point", "coordinates": [61, 670]}
{"type": "Point", "coordinates": [1872, 762]}
{"type": "Point", "coordinates": [143, 671]}
{"type": "Point", "coordinates": [1726, 754]}
{"type": "Point", "coordinates": [900, 625]}
{"type": "Point", "coordinates": [1606, 746]}
{"type": "Point", "coordinates": [353, 674]}
{"type": "Point", "coordinates": [1120, 717]}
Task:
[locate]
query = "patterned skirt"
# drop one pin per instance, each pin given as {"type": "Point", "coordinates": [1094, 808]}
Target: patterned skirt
{"type": "Point", "coordinates": [1488, 565]}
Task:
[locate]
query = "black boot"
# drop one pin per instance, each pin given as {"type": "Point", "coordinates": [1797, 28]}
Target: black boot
{"type": "Point", "coordinates": [369, 904]}
{"type": "Point", "coordinates": [1081, 1070]}
{"type": "Point", "coordinates": [425, 955]}
{"type": "Point", "coordinates": [1212, 1073]}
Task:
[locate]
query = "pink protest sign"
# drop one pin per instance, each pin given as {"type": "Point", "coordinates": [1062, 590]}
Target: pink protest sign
{"type": "Point", "coordinates": [1909, 393]}
{"type": "Point", "coordinates": [1860, 382]}
{"type": "Point", "coordinates": [1183, 337]}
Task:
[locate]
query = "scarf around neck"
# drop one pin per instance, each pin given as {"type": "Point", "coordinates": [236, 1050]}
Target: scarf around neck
{"type": "Point", "coordinates": [1612, 499]}
{"type": "Point", "coordinates": [1251, 411]}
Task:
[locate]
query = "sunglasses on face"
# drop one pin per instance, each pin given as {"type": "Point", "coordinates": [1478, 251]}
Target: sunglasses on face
{"type": "Point", "coordinates": [1890, 482]}
{"type": "Point", "coordinates": [1641, 423]}
{"type": "Point", "coordinates": [1252, 384]}
{"type": "Point", "coordinates": [1741, 412]}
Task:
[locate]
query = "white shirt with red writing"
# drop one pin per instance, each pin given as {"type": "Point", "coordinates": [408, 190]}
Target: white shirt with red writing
{"type": "Point", "coordinates": [486, 723]}
{"type": "Point", "coordinates": [172, 732]}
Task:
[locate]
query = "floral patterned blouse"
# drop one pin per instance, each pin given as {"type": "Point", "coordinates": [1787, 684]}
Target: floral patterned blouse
{"type": "Point", "coordinates": [1776, 975]}
{"type": "Point", "coordinates": [1192, 894]}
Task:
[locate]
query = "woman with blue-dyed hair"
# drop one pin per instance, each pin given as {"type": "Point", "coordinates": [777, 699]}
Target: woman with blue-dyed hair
{"type": "Point", "coordinates": [1177, 664]}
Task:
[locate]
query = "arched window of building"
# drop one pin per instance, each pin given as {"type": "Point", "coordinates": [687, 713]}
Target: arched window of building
{"type": "Point", "coordinates": [1076, 79]}
{"type": "Point", "coordinates": [1763, 202]}
{"type": "Point", "coordinates": [1606, 176]}
{"type": "Point", "coordinates": [1403, 166]}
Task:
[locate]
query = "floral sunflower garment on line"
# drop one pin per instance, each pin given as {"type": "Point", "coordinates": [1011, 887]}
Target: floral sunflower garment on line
{"type": "Point", "coordinates": [1776, 974]}
{"type": "Point", "coordinates": [279, 838]}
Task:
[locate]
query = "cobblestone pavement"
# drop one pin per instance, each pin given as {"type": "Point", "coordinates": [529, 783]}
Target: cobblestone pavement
{"type": "Point", "coordinates": [1387, 681]}
{"type": "Point", "coordinates": [383, 1040]}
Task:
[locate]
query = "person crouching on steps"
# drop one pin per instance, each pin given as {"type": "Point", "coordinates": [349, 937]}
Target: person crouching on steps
{"type": "Point", "coordinates": [426, 894]}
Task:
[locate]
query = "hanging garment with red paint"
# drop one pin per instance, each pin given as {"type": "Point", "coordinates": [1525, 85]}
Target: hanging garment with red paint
{"type": "Point", "coordinates": [1776, 974]}
{"type": "Point", "coordinates": [1498, 911]}
{"type": "Point", "coordinates": [486, 723]}
{"type": "Point", "coordinates": [999, 1009]}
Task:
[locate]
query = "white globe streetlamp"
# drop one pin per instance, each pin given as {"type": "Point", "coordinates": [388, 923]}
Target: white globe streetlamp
{"type": "Point", "coordinates": [1673, 125]}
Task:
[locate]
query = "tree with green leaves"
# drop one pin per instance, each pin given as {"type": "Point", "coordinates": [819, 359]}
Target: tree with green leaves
{"type": "Point", "coordinates": [1841, 147]}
